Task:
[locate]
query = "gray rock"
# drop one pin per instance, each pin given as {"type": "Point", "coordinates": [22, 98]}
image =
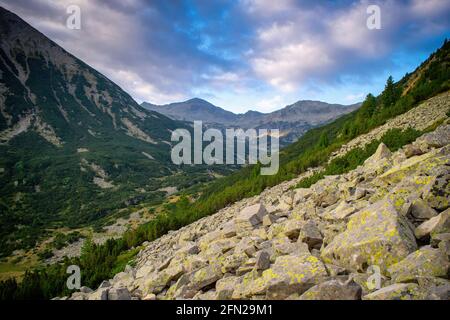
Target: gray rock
{"type": "Point", "coordinates": [86, 290]}
{"type": "Point", "coordinates": [262, 260]}
{"type": "Point", "coordinates": [119, 294]}
{"type": "Point", "coordinates": [334, 290]}
{"type": "Point", "coordinates": [311, 235]}
{"type": "Point", "coordinates": [250, 217]}
{"type": "Point", "coordinates": [421, 211]}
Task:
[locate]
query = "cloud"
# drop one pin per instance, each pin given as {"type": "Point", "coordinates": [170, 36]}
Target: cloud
{"type": "Point", "coordinates": [322, 43]}
{"type": "Point", "coordinates": [240, 51]}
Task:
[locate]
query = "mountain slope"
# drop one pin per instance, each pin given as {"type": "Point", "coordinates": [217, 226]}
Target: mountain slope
{"type": "Point", "coordinates": [74, 146]}
{"type": "Point", "coordinates": [193, 109]}
{"type": "Point", "coordinates": [292, 121]}
{"type": "Point", "coordinates": [320, 242]}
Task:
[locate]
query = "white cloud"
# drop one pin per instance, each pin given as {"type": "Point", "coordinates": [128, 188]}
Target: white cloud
{"type": "Point", "coordinates": [318, 44]}
{"type": "Point", "coordinates": [271, 104]}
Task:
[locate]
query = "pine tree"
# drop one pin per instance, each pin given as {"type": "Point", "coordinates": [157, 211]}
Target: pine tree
{"type": "Point", "coordinates": [390, 94]}
{"type": "Point", "coordinates": [323, 140]}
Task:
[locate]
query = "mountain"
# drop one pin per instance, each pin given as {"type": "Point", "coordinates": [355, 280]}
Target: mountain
{"type": "Point", "coordinates": [293, 120]}
{"type": "Point", "coordinates": [74, 147]}
{"type": "Point", "coordinates": [193, 109]}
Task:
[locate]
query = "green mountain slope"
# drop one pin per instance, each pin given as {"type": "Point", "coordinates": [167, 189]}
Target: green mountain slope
{"type": "Point", "coordinates": [74, 146]}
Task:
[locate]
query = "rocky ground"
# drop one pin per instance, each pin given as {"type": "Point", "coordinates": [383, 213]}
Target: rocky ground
{"type": "Point", "coordinates": [419, 118]}
{"type": "Point", "coordinates": [381, 231]}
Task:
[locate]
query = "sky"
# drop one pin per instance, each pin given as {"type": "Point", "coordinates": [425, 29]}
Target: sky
{"type": "Point", "coordinates": [245, 54]}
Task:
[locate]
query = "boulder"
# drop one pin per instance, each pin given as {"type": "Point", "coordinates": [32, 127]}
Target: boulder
{"type": "Point", "coordinates": [412, 150]}
{"type": "Point", "coordinates": [301, 194]}
{"type": "Point", "coordinates": [99, 294]}
{"type": "Point", "coordinates": [205, 276]}
{"type": "Point", "coordinates": [406, 168]}
{"type": "Point", "coordinates": [262, 260]}
{"type": "Point", "coordinates": [288, 275]}
{"type": "Point", "coordinates": [359, 193]}
{"type": "Point", "coordinates": [334, 290]}
{"type": "Point", "coordinates": [247, 245]}
{"type": "Point", "coordinates": [310, 235]}
{"type": "Point", "coordinates": [421, 211]}
{"type": "Point", "coordinates": [228, 229]}
{"type": "Point", "coordinates": [233, 261]}
{"type": "Point", "coordinates": [436, 139]}
{"type": "Point", "coordinates": [377, 235]}
{"type": "Point", "coordinates": [283, 246]}
{"type": "Point", "coordinates": [157, 281]}
{"type": "Point", "coordinates": [225, 287]}
{"type": "Point", "coordinates": [291, 228]}
{"type": "Point", "coordinates": [188, 249]}
{"type": "Point", "coordinates": [268, 219]}
{"type": "Point", "coordinates": [149, 297]}
{"type": "Point", "coordinates": [342, 211]}
{"type": "Point", "coordinates": [205, 240]}
{"type": "Point", "coordinates": [396, 291]}
{"type": "Point", "coordinates": [119, 294]}
{"type": "Point", "coordinates": [382, 152]}
{"type": "Point", "coordinates": [439, 196]}
{"type": "Point", "coordinates": [85, 290]}
{"type": "Point", "coordinates": [249, 218]}
{"type": "Point", "coordinates": [435, 225]}
{"type": "Point", "coordinates": [426, 261]}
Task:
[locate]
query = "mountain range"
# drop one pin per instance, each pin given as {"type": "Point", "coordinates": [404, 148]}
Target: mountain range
{"type": "Point", "coordinates": [66, 129]}
{"type": "Point", "coordinates": [292, 121]}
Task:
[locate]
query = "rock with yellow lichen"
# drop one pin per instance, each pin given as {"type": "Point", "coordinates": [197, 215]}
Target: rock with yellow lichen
{"type": "Point", "coordinates": [334, 290]}
{"type": "Point", "coordinates": [397, 291]}
{"type": "Point", "coordinates": [377, 235]}
{"type": "Point", "coordinates": [426, 261]}
{"type": "Point", "coordinates": [288, 275]}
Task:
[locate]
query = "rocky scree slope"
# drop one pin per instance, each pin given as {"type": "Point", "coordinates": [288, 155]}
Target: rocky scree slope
{"type": "Point", "coordinates": [389, 217]}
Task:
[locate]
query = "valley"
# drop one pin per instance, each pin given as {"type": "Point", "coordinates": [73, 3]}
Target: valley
{"type": "Point", "coordinates": [87, 179]}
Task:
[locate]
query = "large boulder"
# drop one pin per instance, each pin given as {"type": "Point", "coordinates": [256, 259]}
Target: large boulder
{"type": "Point", "coordinates": [428, 162]}
{"type": "Point", "coordinates": [382, 152]}
{"type": "Point", "coordinates": [99, 294]}
{"type": "Point", "coordinates": [288, 275]}
{"type": "Point", "coordinates": [426, 261]}
{"type": "Point", "coordinates": [232, 262]}
{"type": "Point", "coordinates": [225, 287]}
{"type": "Point", "coordinates": [435, 225]}
{"type": "Point", "coordinates": [439, 196]}
{"type": "Point", "coordinates": [421, 211]}
{"type": "Point", "coordinates": [205, 276]}
{"type": "Point", "coordinates": [377, 235]}
{"type": "Point", "coordinates": [436, 139]}
{"type": "Point", "coordinates": [157, 281]}
{"type": "Point", "coordinates": [310, 234]}
{"type": "Point", "coordinates": [342, 211]}
{"type": "Point", "coordinates": [119, 294]}
{"type": "Point", "coordinates": [397, 291]}
{"type": "Point", "coordinates": [249, 218]}
{"type": "Point", "coordinates": [334, 290]}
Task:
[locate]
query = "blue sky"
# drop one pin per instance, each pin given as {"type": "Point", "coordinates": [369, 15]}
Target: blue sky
{"type": "Point", "coordinates": [245, 54]}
